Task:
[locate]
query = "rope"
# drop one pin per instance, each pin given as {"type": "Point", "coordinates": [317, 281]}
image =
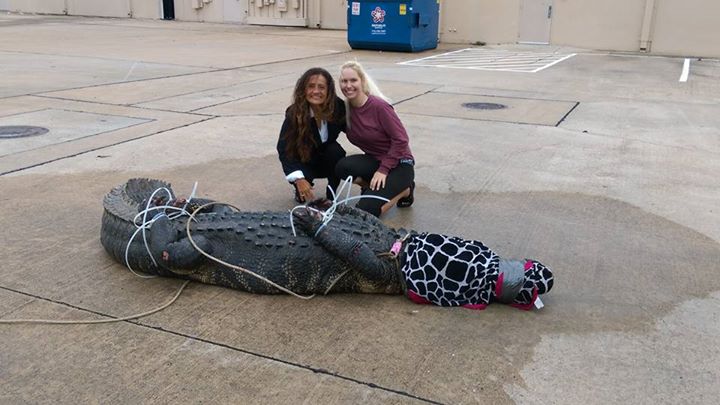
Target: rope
{"type": "Point", "coordinates": [81, 322]}
{"type": "Point", "coordinates": [145, 224]}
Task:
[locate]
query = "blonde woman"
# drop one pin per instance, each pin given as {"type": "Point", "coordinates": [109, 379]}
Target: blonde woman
{"type": "Point", "coordinates": [386, 169]}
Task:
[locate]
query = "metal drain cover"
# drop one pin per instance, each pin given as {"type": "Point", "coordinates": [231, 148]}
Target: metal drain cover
{"type": "Point", "coordinates": [484, 106]}
{"type": "Point", "coordinates": [21, 131]}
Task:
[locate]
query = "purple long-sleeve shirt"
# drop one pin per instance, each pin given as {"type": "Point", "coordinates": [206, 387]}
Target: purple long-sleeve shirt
{"type": "Point", "coordinates": [376, 129]}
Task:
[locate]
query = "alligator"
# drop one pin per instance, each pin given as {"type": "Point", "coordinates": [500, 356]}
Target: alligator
{"type": "Point", "coordinates": [262, 242]}
{"type": "Point", "coordinates": [338, 249]}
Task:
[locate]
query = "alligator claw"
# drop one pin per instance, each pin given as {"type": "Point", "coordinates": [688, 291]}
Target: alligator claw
{"type": "Point", "coordinates": [322, 204]}
{"type": "Point", "coordinates": [307, 219]}
{"type": "Point", "coordinates": [177, 202]}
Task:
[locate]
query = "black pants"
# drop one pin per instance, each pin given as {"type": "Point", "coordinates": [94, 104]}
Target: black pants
{"type": "Point", "coordinates": [364, 167]}
{"type": "Point", "coordinates": [323, 166]}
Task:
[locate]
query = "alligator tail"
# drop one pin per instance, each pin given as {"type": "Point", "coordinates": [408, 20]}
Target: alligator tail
{"type": "Point", "coordinates": [121, 206]}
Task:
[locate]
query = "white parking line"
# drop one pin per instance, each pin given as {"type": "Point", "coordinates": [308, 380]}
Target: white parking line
{"type": "Point", "coordinates": [487, 59]}
{"type": "Point", "coordinates": [685, 71]}
{"type": "Point", "coordinates": [557, 61]}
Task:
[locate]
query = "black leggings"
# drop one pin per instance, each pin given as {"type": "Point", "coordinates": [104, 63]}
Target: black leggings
{"type": "Point", "coordinates": [323, 166]}
{"type": "Point", "coordinates": [364, 167]}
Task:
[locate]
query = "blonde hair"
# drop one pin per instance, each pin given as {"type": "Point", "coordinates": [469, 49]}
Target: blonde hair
{"type": "Point", "coordinates": [369, 87]}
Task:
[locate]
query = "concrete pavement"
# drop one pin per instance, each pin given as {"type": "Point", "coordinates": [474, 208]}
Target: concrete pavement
{"type": "Point", "coordinates": [603, 166]}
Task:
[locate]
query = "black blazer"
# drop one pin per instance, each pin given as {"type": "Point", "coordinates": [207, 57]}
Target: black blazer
{"type": "Point", "coordinates": [335, 126]}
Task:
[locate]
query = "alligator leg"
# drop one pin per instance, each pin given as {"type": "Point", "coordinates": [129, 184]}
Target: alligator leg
{"type": "Point", "coordinates": [357, 254]}
{"type": "Point", "coordinates": [172, 251]}
{"type": "Point", "coordinates": [354, 252]}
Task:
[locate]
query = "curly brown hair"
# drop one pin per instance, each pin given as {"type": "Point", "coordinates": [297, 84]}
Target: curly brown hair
{"type": "Point", "coordinates": [299, 137]}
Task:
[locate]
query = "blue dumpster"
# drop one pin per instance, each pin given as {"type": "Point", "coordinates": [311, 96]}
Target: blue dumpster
{"type": "Point", "coordinates": [391, 25]}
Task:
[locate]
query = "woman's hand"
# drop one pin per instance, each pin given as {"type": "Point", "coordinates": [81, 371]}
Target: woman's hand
{"type": "Point", "coordinates": [304, 190]}
{"type": "Point", "coordinates": [378, 181]}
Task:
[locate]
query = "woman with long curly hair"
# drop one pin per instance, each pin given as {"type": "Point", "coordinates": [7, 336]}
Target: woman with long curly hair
{"type": "Point", "coordinates": [307, 145]}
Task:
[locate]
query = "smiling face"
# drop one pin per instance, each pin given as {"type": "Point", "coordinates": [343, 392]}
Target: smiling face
{"type": "Point", "coordinates": [351, 84]}
{"type": "Point", "coordinates": [316, 91]}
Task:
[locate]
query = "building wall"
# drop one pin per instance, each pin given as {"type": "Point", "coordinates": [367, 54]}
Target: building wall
{"type": "Point", "coordinates": [327, 14]}
{"type": "Point", "coordinates": [471, 21]}
{"type": "Point", "coordinates": [146, 8]}
{"type": "Point", "coordinates": [104, 8]}
{"type": "Point", "coordinates": [606, 24]}
{"type": "Point", "coordinates": [686, 28]}
{"type": "Point", "coordinates": [668, 27]}
{"type": "Point", "coordinates": [34, 6]}
{"type": "Point", "coordinates": [235, 11]}
{"type": "Point", "coordinates": [207, 12]}
{"type": "Point", "coordinates": [286, 12]}
{"type": "Point", "coordinates": [333, 14]}
{"type": "Point", "coordinates": [216, 11]}
{"type": "Point", "coordinates": [221, 11]}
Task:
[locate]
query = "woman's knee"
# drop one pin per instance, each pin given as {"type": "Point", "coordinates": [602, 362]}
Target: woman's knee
{"type": "Point", "coordinates": [362, 166]}
{"type": "Point", "coordinates": [334, 151]}
{"type": "Point", "coordinates": [343, 168]}
{"type": "Point", "coordinates": [371, 205]}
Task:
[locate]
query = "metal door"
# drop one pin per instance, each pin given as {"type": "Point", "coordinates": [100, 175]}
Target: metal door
{"type": "Point", "coordinates": [168, 7]}
{"type": "Point", "coordinates": [333, 14]}
{"type": "Point", "coordinates": [234, 11]}
{"type": "Point", "coordinates": [535, 19]}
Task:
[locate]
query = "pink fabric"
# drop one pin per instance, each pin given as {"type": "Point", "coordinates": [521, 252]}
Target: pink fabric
{"type": "Point", "coordinates": [498, 284]}
{"type": "Point", "coordinates": [416, 298]}
{"type": "Point", "coordinates": [528, 265]}
{"type": "Point", "coordinates": [475, 306]}
{"type": "Point", "coordinates": [376, 129]}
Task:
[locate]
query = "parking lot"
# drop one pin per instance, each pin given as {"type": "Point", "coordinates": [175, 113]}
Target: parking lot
{"type": "Point", "coordinates": [602, 166]}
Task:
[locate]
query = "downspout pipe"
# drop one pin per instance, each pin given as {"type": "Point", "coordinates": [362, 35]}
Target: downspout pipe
{"type": "Point", "coordinates": [647, 25]}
